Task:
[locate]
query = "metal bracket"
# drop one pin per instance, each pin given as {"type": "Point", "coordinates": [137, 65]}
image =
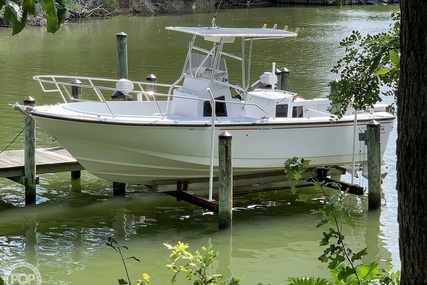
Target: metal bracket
{"type": "Point", "coordinates": [362, 137]}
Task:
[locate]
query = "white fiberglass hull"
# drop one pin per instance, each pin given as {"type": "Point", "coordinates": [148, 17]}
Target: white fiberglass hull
{"type": "Point", "coordinates": [141, 151]}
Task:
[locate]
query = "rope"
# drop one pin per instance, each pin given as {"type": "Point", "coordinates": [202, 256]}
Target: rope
{"type": "Point", "coordinates": [17, 136]}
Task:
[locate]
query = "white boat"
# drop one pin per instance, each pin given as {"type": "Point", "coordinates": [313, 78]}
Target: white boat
{"type": "Point", "coordinates": [170, 131]}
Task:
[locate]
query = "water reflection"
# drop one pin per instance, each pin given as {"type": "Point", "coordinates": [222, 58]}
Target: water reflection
{"type": "Point", "coordinates": [273, 236]}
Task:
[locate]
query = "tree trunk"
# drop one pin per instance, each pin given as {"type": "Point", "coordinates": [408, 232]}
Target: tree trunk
{"type": "Point", "coordinates": [412, 143]}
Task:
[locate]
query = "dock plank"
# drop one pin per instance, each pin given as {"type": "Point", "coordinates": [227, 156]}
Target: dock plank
{"type": "Point", "coordinates": [48, 160]}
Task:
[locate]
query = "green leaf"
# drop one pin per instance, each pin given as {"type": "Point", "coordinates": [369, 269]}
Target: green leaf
{"type": "Point", "coordinates": [307, 281]}
{"type": "Point", "coordinates": [382, 71]}
{"type": "Point", "coordinates": [395, 58]}
{"type": "Point", "coordinates": [61, 13]}
{"type": "Point", "coordinates": [376, 60]}
{"type": "Point", "coordinates": [14, 14]}
{"type": "Point", "coordinates": [368, 272]}
{"type": "Point", "coordinates": [345, 273]}
{"type": "Point", "coordinates": [359, 255]}
{"type": "Point", "coordinates": [122, 282]}
{"type": "Point", "coordinates": [29, 6]}
{"type": "Point", "coordinates": [49, 8]}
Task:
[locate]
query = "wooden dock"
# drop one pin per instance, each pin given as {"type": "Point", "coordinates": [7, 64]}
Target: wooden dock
{"type": "Point", "coordinates": [48, 160]}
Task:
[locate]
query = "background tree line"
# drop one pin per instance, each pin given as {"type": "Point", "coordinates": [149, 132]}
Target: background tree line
{"type": "Point", "coordinates": [50, 13]}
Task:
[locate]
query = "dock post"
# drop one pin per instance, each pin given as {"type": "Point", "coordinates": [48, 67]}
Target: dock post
{"type": "Point", "coordinates": [286, 79]}
{"type": "Point", "coordinates": [119, 189]}
{"type": "Point", "coordinates": [283, 79]}
{"type": "Point", "coordinates": [374, 164]}
{"type": "Point", "coordinates": [29, 155]}
{"type": "Point", "coordinates": [76, 185]}
{"type": "Point", "coordinates": [76, 89]}
{"type": "Point", "coordinates": [334, 87]}
{"type": "Point", "coordinates": [225, 180]}
{"type": "Point", "coordinates": [122, 55]}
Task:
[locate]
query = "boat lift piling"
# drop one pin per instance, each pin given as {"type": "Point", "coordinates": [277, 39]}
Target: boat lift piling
{"type": "Point", "coordinates": [374, 164]}
{"type": "Point", "coordinates": [29, 155]}
{"type": "Point", "coordinates": [76, 89]}
{"type": "Point", "coordinates": [225, 179]}
{"type": "Point", "coordinates": [76, 184]}
{"type": "Point", "coordinates": [283, 78]}
{"type": "Point", "coordinates": [119, 189]}
{"type": "Point", "coordinates": [122, 55]}
{"type": "Point", "coordinates": [373, 143]}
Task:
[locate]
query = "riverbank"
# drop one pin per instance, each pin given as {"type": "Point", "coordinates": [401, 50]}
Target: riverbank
{"type": "Point", "coordinates": [78, 11]}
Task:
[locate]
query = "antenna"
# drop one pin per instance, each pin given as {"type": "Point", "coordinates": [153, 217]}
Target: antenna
{"type": "Point", "coordinates": [213, 23]}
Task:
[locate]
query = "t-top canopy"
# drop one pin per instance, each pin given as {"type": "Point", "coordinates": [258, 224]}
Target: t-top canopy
{"type": "Point", "coordinates": [229, 34]}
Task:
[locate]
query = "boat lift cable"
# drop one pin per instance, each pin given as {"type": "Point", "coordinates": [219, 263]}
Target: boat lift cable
{"type": "Point", "coordinates": [353, 163]}
{"type": "Point", "coordinates": [211, 166]}
{"type": "Point", "coordinates": [17, 136]}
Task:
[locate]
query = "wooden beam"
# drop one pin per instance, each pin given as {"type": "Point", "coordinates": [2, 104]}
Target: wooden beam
{"type": "Point", "coordinates": [48, 160]}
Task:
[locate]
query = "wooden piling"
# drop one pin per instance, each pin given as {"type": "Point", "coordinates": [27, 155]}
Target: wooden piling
{"type": "Point", "coordinates": [29, 155]}
{"type": "Point", "coordinates": [76, 89]}
{"type": "Point", "coordinates": [119, 189]}
{"type": "Point", "coordinates": [374, 164]}
{"type": "Point", "coordinates": [76, 185]}
{"type": "Point", "coordinates": [334, 87]}
{"type": "Point", "coordinates": [225, 180]}
{"type": "Point", "coordinates": [286, 79]}
{"type": "Point", "coordinates": [122, 55]}
{"type": "Point", "coordinates": [283, 79]}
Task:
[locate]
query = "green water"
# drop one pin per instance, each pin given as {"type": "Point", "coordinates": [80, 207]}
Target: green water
{"type": "Point", "coordinates": [273, 235]}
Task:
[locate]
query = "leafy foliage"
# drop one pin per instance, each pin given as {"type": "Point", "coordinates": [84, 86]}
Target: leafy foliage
{"type": "Point", "coordinates": [308, 281]}
{"type": "Point", "coordinates": [112, 242]}
{"type": "Point", "coordinates": [17, 13]}
{"type": "Point", "coordinates": [110, 5]}
{"type": "Point", "coordinates": [337, 2]}
{"type": "Point", "coordinates": [196, 265]}
{"type": "Point", "coordinates": [344, 264]}
{"type": "Point", "coordinates": [370, 62]}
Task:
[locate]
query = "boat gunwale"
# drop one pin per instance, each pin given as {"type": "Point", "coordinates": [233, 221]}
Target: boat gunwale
{"type": "Point", "coordinates": [260, 124]}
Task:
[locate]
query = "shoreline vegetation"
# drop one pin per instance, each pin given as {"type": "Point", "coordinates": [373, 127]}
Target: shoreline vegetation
{"type": "Point", "coordinates": [78, 10]}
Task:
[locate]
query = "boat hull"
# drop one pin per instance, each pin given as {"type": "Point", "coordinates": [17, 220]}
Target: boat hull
{"type": "Point", "coordinates": [140, 153]}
